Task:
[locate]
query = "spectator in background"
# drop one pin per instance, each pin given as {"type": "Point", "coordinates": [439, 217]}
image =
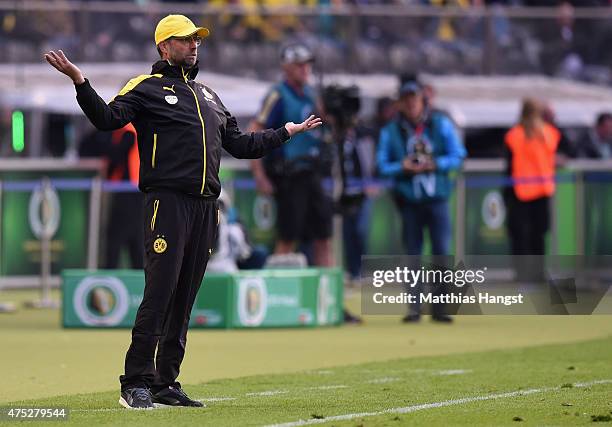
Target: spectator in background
{"type": "Point", "coordinates": [256, 26]}
{"type": "Point", "coordinates": [566, 43]}
{"type": "Point", "coordinates": [57, 27]}
{"type": "Point", "coordinates": [94, 143]}
{"type": "Point", "coordinates": [293, 172]}
{"type": "Point", "coordinates": [385, 111]}
{"type": "Point", "coordinates": [355, 145]}
{"type": "Point", "coordinates": [532, 145]}
{"type": "Point", "coordinates": [447, 28]}
{"type": "Point", "coordinates": [567, 148]}
{"type": "Point", "coordinates": [597, 142]}
{"type": "Point", "coordinates": [418, 150]}
{"type": "Point", "coordinates": [124, 228]}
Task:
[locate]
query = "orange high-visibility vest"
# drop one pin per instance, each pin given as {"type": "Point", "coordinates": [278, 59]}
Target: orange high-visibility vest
{"type": "Point", "coordinates": [133, 161]}
{"type": "Point", "coordinates": [533, 162]}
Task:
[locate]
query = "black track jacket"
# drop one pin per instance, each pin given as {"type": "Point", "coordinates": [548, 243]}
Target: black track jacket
{"type": "Point", "coordinates": [181, 126]}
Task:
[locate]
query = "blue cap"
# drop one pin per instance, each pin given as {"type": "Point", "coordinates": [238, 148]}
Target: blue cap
{"type": "Point", "coordinates": [410, 87]}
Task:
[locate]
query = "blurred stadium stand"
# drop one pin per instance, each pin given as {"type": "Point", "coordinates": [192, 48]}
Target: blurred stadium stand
{"type": "Point", "coordinates": [365, 37]}
{"type": "Point", "coordinates": [497, 47]}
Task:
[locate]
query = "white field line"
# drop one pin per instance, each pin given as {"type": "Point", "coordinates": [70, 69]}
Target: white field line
{"type": "Point", "coordinates": [453, 372]}
{"type": "Point", "coordinates": [267, 393]}
{"type": "Point", "coordinates": [408, 409]}
{"type": "Point", "coordinates": [383, 380]}
{"type": "Point", "coordinates": [156, 408]}
{"type": "Point", "coordinates": [327, 387]}
{"type": "Point", "coordinates": [424, 371]}
{"type": "Point", "coordinates": [215, 399]}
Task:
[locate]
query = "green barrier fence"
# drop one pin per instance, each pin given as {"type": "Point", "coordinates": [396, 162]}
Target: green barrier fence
{"type": "Point", "coordinates": [73, 212]}
{"type": "Point", "coordinates": [250, 299]}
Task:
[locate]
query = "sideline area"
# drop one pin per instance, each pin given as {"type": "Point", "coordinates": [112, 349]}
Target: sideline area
{"type": "Point", "coordinates": [40, 359]}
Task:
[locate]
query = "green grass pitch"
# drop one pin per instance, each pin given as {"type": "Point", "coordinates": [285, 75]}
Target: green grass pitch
{"type": "Point", "coordinates": [483, 370]}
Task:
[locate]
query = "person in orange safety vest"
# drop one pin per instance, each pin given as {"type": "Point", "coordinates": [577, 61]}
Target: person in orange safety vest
{"type": "Point", "coordinates": [531, 146]}
{"type": "Point", "coordinates": [124, 228]}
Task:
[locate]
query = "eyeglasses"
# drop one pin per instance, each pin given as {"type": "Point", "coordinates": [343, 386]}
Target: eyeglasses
{"type": "Point", "coordinates": [189, 39]}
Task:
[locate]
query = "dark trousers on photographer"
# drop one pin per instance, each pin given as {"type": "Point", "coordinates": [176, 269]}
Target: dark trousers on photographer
{"type": "Point", "coordinates": [355, 225]}
{"type": "Point", "coordinates": [304, 209]}
{"type": "Point", "coordinates": [434, 216]}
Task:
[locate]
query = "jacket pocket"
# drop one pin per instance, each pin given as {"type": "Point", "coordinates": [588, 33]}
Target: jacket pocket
{"type": "Point", "coordinates": [154, 150]}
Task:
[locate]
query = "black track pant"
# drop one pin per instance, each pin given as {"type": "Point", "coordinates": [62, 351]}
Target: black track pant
{"type": "Point", "coordinates": [528, 223]}
{"type": "Point", "coordinates": [179, 235]}
{"type": "Point", "coordinates": [124, 229]}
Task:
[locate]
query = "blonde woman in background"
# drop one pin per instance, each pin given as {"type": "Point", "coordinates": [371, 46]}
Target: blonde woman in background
{"type": "Point", "coordinates": [532, 146]}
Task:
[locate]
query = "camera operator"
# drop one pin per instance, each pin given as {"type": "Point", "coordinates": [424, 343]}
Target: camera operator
{"type": "Point", "coordinates": [293, 173]}
{"type": "Point", "coordinates": [355, 150]}
{"type": "Point", "coordinates": [418, 150]}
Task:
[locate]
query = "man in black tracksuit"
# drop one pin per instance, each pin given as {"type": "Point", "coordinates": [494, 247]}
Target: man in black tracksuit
{"type": "Point", "coordinates": [181, 126]}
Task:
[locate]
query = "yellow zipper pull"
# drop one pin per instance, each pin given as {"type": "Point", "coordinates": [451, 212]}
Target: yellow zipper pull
{"type": "Point", "coordinates": [154, 150]}
{"type": "Point", "coordinates": [184, 75]}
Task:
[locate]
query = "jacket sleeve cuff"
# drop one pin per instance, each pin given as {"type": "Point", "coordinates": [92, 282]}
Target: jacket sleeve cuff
{"type": "Point", "coordinates": [282, 134]}
{"type": "Point", "coordinates": [82, 86]}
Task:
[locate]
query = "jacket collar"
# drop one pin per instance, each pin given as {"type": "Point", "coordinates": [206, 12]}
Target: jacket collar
{"type": "Point", "coordinates": [163, 67]}
{"type": "Point", "coordinates": [406, 124]}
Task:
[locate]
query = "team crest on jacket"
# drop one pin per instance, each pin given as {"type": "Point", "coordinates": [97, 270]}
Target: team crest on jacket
{"type": "Point", "coordinates": [171, 99]}
{"type": "Point", "coordinates": [160, 245]}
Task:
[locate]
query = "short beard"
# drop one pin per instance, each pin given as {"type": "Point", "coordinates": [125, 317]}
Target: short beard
{"type": "Point", "coordinates": [182, 63]}
{"type": "Point", "coordinates": [187, 65]}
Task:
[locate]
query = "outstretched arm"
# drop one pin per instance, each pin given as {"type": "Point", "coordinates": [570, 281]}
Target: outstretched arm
{"type": "Point", "coordinates": [256, 144]}
{"type": "Point", "coordinates": [263, 184]}
{"type": "Point", "coordinates": [104, 117]}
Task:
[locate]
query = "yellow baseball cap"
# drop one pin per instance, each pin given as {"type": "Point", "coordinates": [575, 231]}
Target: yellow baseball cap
{"type": "Point", "coordinates": [177, 26]}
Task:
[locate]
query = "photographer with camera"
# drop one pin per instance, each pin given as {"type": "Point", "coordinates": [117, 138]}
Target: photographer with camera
{"type": "Point", "coordinates": [293, 173]}
{"type": "Point", "coordinates": [355, 147]}
{"type": "Point", "coordinates": [418, 150]}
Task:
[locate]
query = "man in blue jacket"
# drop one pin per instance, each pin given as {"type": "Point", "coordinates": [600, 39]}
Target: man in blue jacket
{"type": "Point", "coordinates": [418, 150]}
